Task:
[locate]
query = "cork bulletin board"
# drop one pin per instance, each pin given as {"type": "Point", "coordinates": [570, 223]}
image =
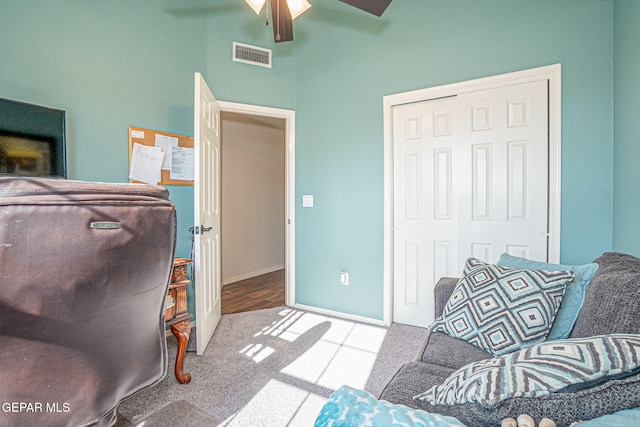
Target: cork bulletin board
{"type": "Point", "coordinates": [149, 138]}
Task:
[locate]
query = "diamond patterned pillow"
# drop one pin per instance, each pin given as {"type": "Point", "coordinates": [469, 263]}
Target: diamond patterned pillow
{"type": "Point", "coordinates": [501, 309]}
{"type": "Point", "coordinates": [563, 366]}
{"type": "Point", "coordinates": [574, 295]}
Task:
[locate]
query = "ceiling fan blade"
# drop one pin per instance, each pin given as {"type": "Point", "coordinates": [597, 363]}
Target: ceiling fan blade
{"type": "Point", "coordinates": [376, 7]}
{"type": "Point", "coordinates": [282, 23]}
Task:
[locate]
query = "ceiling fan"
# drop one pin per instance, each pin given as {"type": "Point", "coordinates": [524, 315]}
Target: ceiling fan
{"type": "Point", "coordinates": [283, 12]}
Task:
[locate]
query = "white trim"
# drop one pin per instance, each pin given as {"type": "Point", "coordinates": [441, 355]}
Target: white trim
{"type": "Point", "coordinates": [552, 74]}
{"type": "Point", "coordinates": [289, 117]}
{"type": "Point", "coordinates": [339, 314]}
{"type": "Point", "coordinates": [252, 274]}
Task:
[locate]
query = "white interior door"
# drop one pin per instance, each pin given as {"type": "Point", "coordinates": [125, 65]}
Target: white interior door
{"type": "Point", "coordinates": [425, 204]}
{"type": "Point", "coordinates": [206, 189]}
{"type": "Point", "coordinates": [470, 179]}
{"type": "Point", "coordinates": [504, 153]}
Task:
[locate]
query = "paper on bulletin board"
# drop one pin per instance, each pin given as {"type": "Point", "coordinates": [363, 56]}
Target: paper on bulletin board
{"type": "Point", "coordinates": [146, 164]}
{"type": "Point", "coordinates": [166, 143]}
{"type": "Point", "coordinates": [137, 134]}
{"type": "Point", "coordinates": [182, 163]}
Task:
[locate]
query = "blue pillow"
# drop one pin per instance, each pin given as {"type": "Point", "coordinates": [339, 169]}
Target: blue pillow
{"type": "Point", "coordinates": [573, 296]}
{"type": "Point", "coordinates": [628, 417]}
{"type": "Point", "coordinates": [350, 407]}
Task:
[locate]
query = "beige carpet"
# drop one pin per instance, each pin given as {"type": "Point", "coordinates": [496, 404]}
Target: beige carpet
{"type": "Point", "coordinates": [273, 367]}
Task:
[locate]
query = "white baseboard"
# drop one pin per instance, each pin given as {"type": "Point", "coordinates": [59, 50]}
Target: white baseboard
{"type": "Point", "coordinates": [252, 274]}
{"type": "Point", "coordinates": [339, 314]}
{"type": "Point", "coordinates": [317, 310]}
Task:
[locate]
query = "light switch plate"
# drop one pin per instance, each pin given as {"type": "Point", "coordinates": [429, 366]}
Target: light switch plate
{"type": "Point", "coordinates": [307, 201]}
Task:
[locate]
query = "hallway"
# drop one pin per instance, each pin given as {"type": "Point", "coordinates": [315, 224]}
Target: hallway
{"type": "Point", "coordinates": [256, 293]}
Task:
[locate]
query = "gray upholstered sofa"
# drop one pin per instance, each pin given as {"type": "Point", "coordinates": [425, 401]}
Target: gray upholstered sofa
{"type": "Point", "coordinates": [611, 306]}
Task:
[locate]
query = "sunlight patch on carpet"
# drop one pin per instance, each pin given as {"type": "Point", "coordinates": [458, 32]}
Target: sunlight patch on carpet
{"type": "Point", "coordinates": [281, 327]}
{"type": "Point", "coordinates": [366, 338]}
{"type": "Point", "coordinates": [313, 363]}
{"type": "Point", "coordinates": [257, 352]}
{"type": "Point", "coordinates": [278, 404]}
{"type": "Point", "coordinates": [331, 352]}
{"type": "Point", "coordinates": [345, 354]}
{"type": "Point", "coordinates": [350, 367]}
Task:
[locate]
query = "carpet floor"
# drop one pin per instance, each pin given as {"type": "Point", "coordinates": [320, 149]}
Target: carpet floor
{"type": "Point", "coordinates": [273, 367]}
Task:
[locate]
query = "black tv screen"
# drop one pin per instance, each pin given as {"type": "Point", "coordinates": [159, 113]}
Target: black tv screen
{"type": "Point", "coordinates": [32, 140]}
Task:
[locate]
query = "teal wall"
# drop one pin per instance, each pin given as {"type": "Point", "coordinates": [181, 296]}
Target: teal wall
{"type": "Point", "coordinates": [111, 64]}
{"type": "Point", "coordinates": [626, 213]}
{"type": "Point", "coordinates": [237, 82]}
{"type": "Point", "coordinates": [418, 44]}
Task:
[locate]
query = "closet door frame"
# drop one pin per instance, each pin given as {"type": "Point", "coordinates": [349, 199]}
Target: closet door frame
{"type": "Point", "coordinates": [551, 74]}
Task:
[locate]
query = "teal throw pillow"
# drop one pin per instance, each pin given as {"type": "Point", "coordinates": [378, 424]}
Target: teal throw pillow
{"type": "Point", "coordinates": [574, 294]}
{"type": "Point", "coordinates": [627, 417]}
{"type": "Point", "coordinates": [350, 407]}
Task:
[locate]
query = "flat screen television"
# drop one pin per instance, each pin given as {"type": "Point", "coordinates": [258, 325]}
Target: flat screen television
{"type": "Point", "coordinates": [32, 140]}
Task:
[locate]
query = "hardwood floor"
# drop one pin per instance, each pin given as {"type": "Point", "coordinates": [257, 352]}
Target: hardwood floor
{"type": "Point", "coordinates": [256, 293]}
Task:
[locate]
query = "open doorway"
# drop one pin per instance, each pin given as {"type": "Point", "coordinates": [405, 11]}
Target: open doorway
{"type": "Point", "coordinates": [253, 211]}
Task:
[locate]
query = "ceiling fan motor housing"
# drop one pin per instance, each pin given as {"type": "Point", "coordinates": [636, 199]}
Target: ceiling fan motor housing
{"type": "Point", "coordinates": [376, 7]}
{"type": "Point", "coordinates": [282, 19]}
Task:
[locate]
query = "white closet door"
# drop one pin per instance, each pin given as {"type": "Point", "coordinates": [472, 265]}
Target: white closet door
{"type": "Point", "coordinates": [503, 139]}
{"type": "Point", "coordinates": [470, 179]}
{"type": "Point", "coordinates": [425, 199]}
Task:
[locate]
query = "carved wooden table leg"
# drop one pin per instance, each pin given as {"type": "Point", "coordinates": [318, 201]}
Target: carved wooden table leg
{"type": "Point", "coordinates": [181, 331]}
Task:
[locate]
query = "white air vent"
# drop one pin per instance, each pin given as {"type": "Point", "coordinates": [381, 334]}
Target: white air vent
{"type": "Point", "coordinates": [251, 55]}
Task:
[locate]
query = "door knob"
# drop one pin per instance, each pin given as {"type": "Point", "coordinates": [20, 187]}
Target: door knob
{"type": "Point", "coordinates": [200, 230]}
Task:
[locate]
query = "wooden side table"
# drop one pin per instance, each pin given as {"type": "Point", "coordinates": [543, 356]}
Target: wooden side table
{"type": "Point", "coordinates": [177, 315]}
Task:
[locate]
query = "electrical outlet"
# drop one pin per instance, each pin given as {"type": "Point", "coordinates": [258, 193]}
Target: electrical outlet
{"type": "Point", "coordinates": [344, 278]}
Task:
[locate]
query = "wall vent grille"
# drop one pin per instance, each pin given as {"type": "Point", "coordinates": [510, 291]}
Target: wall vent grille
{"type": "Point", "coordinates": [251, 55]}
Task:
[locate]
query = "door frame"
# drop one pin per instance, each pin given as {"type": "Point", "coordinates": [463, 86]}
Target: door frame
{"type": "Point", "coordinates": [290, 143]}
{"type": "Point", "coordinates": [552, 74]}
